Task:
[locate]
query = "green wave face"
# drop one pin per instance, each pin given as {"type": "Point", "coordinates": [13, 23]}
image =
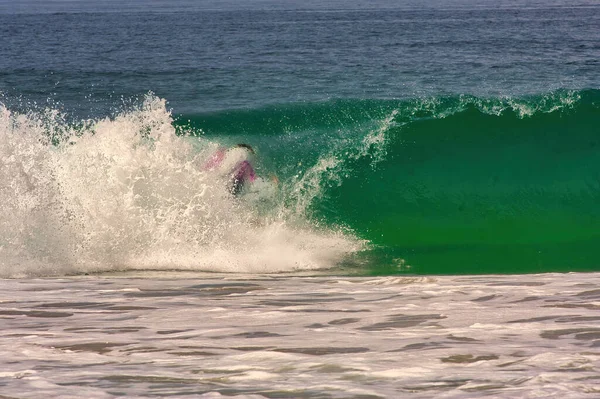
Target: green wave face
{"type": "Point", "coordinates": [440, 185]}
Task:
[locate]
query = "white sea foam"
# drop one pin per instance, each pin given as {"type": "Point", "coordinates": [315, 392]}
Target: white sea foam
{"type": "Point", "coordinates": [129, 193]}
{"type": "Point", "coordinates": [160, 337]}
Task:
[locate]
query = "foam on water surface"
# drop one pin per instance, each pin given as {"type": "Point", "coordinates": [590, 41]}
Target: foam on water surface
{"type": "Point", "coordinates": [250, 336]}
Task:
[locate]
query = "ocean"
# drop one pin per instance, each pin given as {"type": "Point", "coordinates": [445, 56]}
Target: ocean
{"type": "Point", "coordinates": [424, 222]}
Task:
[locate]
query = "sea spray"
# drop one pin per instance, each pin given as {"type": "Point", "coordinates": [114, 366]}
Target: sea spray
{"type": "Point", "coordinates": [332, 167]}
{"type": "Point", "coordinates": [129, 193]}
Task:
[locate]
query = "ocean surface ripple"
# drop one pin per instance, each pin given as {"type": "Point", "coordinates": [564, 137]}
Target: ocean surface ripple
{"type": "Point", "coordinates": [258, 336]}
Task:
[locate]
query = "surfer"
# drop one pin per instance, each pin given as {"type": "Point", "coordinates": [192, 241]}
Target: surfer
{"type": "Point", "coordinates": [235, 165]}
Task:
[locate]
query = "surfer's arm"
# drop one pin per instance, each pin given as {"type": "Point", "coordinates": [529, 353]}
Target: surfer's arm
{"type": "Point", "coordinates": [215, 160]}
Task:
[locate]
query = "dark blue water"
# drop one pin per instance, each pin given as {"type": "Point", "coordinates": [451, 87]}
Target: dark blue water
{"type": "Point", "coordinates": [206, 56]}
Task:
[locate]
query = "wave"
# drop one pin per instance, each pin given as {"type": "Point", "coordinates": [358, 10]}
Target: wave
{"type": "Point", "coordinates": [454, 184]}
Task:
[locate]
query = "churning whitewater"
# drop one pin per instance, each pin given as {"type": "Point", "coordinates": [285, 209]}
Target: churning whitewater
{"type": "Point", "coordinates": [130, 193]}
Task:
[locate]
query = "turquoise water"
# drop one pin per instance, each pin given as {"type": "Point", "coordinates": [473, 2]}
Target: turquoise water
{"type": "Point", "coordinates": [455, 185]}
{"type": "Point", "coordinates": [427, 138]}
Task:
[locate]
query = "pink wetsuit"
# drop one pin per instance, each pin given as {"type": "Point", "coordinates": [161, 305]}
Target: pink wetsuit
{"type": "Point", "coordinates": [215, 160]}
{"type": "Point", "coordinates": [241, 173]}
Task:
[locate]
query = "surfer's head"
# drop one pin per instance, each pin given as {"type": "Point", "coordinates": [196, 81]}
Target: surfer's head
{"type": "Point", "coordinates": [242, 151]}
{"type": "Point", "coordinates": [245, 146]}
{"type": "Point", "coordinates": [236, 154]}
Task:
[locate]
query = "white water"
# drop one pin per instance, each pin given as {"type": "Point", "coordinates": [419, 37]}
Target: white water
{"type": "Point", "coordinates": [128, 193]}
{"type": "Point", "coordinates": [184, 335]}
